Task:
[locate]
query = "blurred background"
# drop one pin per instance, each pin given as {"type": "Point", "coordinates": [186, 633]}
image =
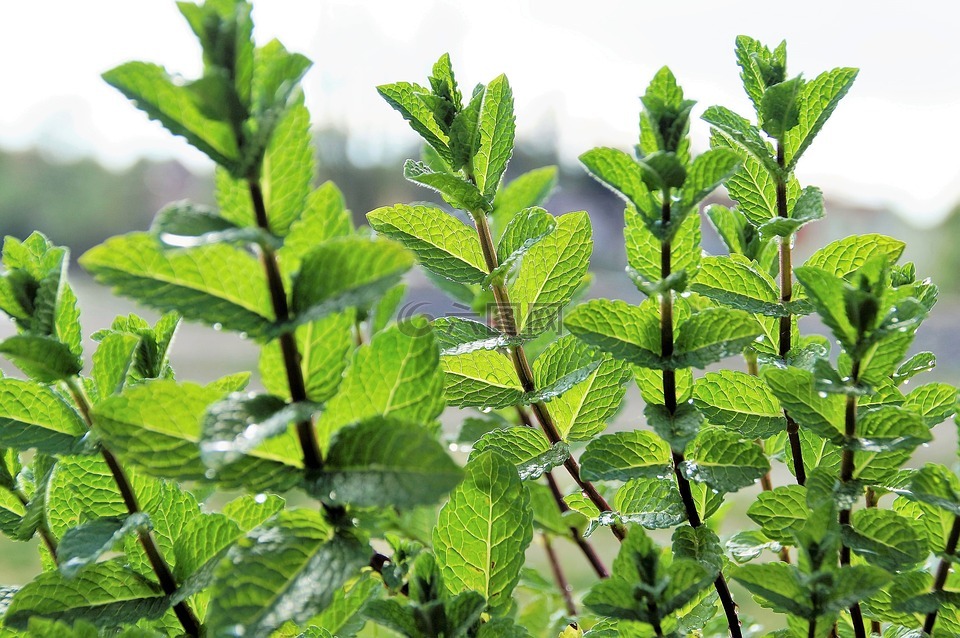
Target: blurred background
{"type": "Point", "coordinates": [79, 163]}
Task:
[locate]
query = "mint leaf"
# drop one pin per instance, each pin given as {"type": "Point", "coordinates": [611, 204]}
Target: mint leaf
{"type": "Point", "coordinates": [779, 586]}
{"type": "Point", "coordinates": [176, 107]}
{"type": "Point", "coordinates": [216, 284]}
{"type": "Point", "coordinates": [797, 392]}
{"type": "Point", "coordinates": [526, 448]}
{"type": "Point", "coordinates": [107, 594]}
{"type": "Point", "coordinates": [754, 189]}
{"type": "Point", "coordinates": [405, 98]}
{"type": "Point", "coordinates": [677, 428]}
{"type": "Point", "coordinates": [844, 256]}
{"type": "Point", "coordinates": [346, 272]}
{"type": "Point", "coordinates": [887, 428]}
{"type": "Point", "coordinates": [643, 251]}
{"type": "Point", "coordinates": [827, 294]}
{"type": "Point", "coordinates": [523, 231]}
{"type": "Point", "coordinates": [396, 374]}
{"type": "Point", "coordinates": [623, 330]}
{"type": "Point", "coordinates": [33, 416]}
{"type": "Point", "coordinates": [288, 569]}
{"type": "Point", "coordinates": [483, 530]}
{"type": "Point", "coordinates": [496, 128]}
{"type": "Point", "coordinates": [650, 502]}
{"type": "Point", "coordinates": [442, 243]}
{"type": "Point", "coordinates": [457, 336]}
{"type": "Point", "coordinates": [739, 401]}
{"type": "Point", "coordinates": [455, 190]}
{"type": "Point", "coordinates": [184, 225]}
{"type": "Point", "coordinates": [807, 208]}
{"type": "Point", "coordinates": [619, 172]}
{"type": "Point", "coordinates": [936, 485]}
{"type": "Point", "coordinates": [724, 461]}
{"type": "Point", "coordinates": [740, 283]}
{"type": "Point", "coordinates": [707, 172]}
{"type": "Point", "coordinates": [759, 67]}
{"type": "Point", "coordinates": [780, 107]}
{"type": "Point", "coordinates": [84, 544]}
{"type": "Point", "coordinates": [741, 135]}
{"type": "Point", "coordinates": [481, 378]}
{"type": "Point", "coordinates": [383, 462]}
{"type": "Point", "coordinates": [626, 455]}
{"type": "Point", "coordinates": [780, 512]}
{"type": "Point", "coordinates": [935, 402]}
{"type": "Point", "coordinates": [324, 217]}
{"type": "Point", "coordinates": [713, 334]}
{"type": "Point", "coordinates": [920, 362]}
{"type": "Point", "coordinates": [550, 273]}
{"type": "Point", "coordinates": [112, 361]}
{"type": "Point", "coordinates": [42, 358]}
{"type": "Point", "coordinates": [886, 539]}
{"type": "Point", "coordinates": [818, 99]}
{"type": "Point", "coordinates": [532, 188]}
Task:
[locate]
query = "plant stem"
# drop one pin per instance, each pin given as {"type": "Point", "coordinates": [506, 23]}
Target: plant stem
{"type": "Point", "coordinates": [812, 631]}
{"type": "Point", "coordinates": [943, 570]}
{"type": "Point", "coordinates": [591, 554]}
{"type": "Point", "coordinates": [44, 530]}
{"type": "Point", "coordinates": [312, 457]}
{"type": "Point", "coordinates": [846, 475]}
{"type": "Point", "coordinates": [872, 499]}
{"type": "Point", "coordinates": [786, 322]}
{"type": "Point", "coordinates": [525, 374]}
{"type": "Point", "coordinates": [186, 616]}
{"type": "Point", "coordinates": [670, 403]}
{"type": "Point", "coordinates": [562, 584]}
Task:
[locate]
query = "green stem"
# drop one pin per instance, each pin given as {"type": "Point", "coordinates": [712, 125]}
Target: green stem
{"type": "Point", "coordinates": [846, 475]}
{"type": "Point", "coordinates": [670, 403]}
{"type": "Point", "coordinates": [562, 583]}
{"type": "Point", "coordinates": [186, 616]}
{"type": "Point", "coordinates": [943, 570]}
{"type": "Point", "coordinates": [44, 530]}
{"type": "Point", "coordinates": [786, 322]}
{"type": "Point", "coordinates": [312, 457]}
{"type": "Point", "coordinates": [507, 323]}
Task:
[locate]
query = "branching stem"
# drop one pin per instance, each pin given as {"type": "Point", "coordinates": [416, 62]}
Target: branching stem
{"type": "Point", "coordinates": [161, 569]}
{"type": "Point", "coordinates": [312, 457]}
{"type": "Point", "coordinates": [507, 323]}
{"type": "Point", "coordinates": [846, 475]}
{"type": "Point", "coordinates": [670, 403]}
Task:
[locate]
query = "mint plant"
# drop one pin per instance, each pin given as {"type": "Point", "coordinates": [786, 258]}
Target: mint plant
{"type": "Point", "coordinates": [161, 505]}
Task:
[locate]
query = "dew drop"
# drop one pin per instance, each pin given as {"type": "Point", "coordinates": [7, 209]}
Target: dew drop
{"type": "Point", "coordinates": [486, 410]}
{"type": "Point", "coordinates": [822, 394]}
{"type": "Point", "coordinates": [243, 335]}
{"type": "Point", "coordinates": [218, 326]}
{"type": "Point", "coordinates": [453, 447]}
{"type": "Point", "coordinates": [260, 498]}
{"type": "Point", "coordinates": [210, 474]}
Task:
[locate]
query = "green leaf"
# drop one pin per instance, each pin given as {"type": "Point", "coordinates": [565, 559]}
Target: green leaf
{"type": "Point", "coordinates": [346, 272]}
{"type": "Point", "coordinates": [625, 331]}
{"type": "Point", "coordinates": [936, 485]}
{"type": "Point", "coordinates": [759, 67]}
{"type": "Point", "coordinates": [708, 171]}
{"type": "Point", "coordinates": [108, 595]}
{"type": "Point", "coordinates": [396, 374]}
{"type": "Point", "coordinates": [724, 461]}
{"type": "Point", "coordinates": [84, 544]}
{"type": "Point", "coordinates": [112, 361]}
{"type": "Point", "coordinates": [650, 502]}
{"type": "Point", "coordinates": [33, 416]}
{"type": "Point", "coordinates": [808, 208]}
{"type": "Point", "coordinates": [780, 512]}
{"type": "Point", "coordinates": [797, 392]}
{"type": "Point", "coordinates": [886, 539]}
{"type": "Point", "coordinates": [853, 584]}
{"type": "Point", "coordinates": [42, 358]}
{"type": "Point", "coordinates": [526, 448]}
{"type": "Point", "coordinates": [739, 401]}
{"type": "Point", "coordinates": [738, 282]}
{"type": "Point", "coordinates": [481, 378]}
{"type": "Point", "coordinates": [496, 128]}
{"type": "Point", "coordinates": [747, 545]}
{"type": "Point", "coordinates": [526, 228]}
{"type": "Point", "coordinates": [185, 225]}
{"type": "Point", "coordinates": [935, 402]}
{"type": "Point", "coordinates": [827, 294]}
{"type": "Point", "coordinates": [583, 409]}
{"type": "Point", "coordinates": [677, 428]}
{"type": "Point", "coordinates": [650, 383]}
{"type": "Point", "coordinates": [325, 216]}
{"type": "Point", "coordinates": [218, 285]}
{"type": "Point", "coordinates": [405, 98]}
{"type": "Point", "coordinates": [249, 511]}
{"type": "Point", "coordinates": [779, 586]}
{"type": "Point", "coordinates": [288, 170]}
{"type": "Point", "coordinates": [442, 243]}
{"type": "Point", "coordinates": [713, 334]}
{"type": "Point", "coordinates": [888, 428]}
{"type": "Point", "coordinates": [780, 107]}
{"type": "Point", "coordinates": [324, 346]}
{"type": "Point", "coordinates": [238, 424]}
{"type": "Point", "coordinates": [484, 529]}
{"type": "Point", "coordinates": [626, 455]}
{"type": "Point", "coordinates": [157, 426]}
{"type": "Point", "coordinates": [742, 135]}
{"type": "Point", "coordinates": [383, 462]}
{"type": "Point", "coordinates": [176, 107]}
{"type": "Point", "coordinates": [920, 362]}
{"type": "Point", "coordinates": [457, 336]}
{"type": "Point", "coordinates": [345, 614]}
{"type": "Point", "coordinates": [532, 188]}
{"type": "Point", "coordinates": [844, 256]}
{"type": "Point", "coordinates": [699, 544]}
{"type": "Point", "coordinates": [455, 190]}
{"type": "Point", "coordinates": [754, 189]}
{"type": "Point", "coordinates": [288, 569]}
{"type": "Point", "coordinates": [550, 273]}
{"type": "Point", "coordinates": [619, 172]}
{"type": "Point", "coordinates": [818, 99]}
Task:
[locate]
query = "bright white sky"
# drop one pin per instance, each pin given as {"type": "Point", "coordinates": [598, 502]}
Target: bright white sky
{"type": "Point", "coordinates": [576, 67]}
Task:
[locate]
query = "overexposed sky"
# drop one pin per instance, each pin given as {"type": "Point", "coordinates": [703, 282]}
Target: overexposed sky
{"type": "Point", "coordinates": [576, 67]}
